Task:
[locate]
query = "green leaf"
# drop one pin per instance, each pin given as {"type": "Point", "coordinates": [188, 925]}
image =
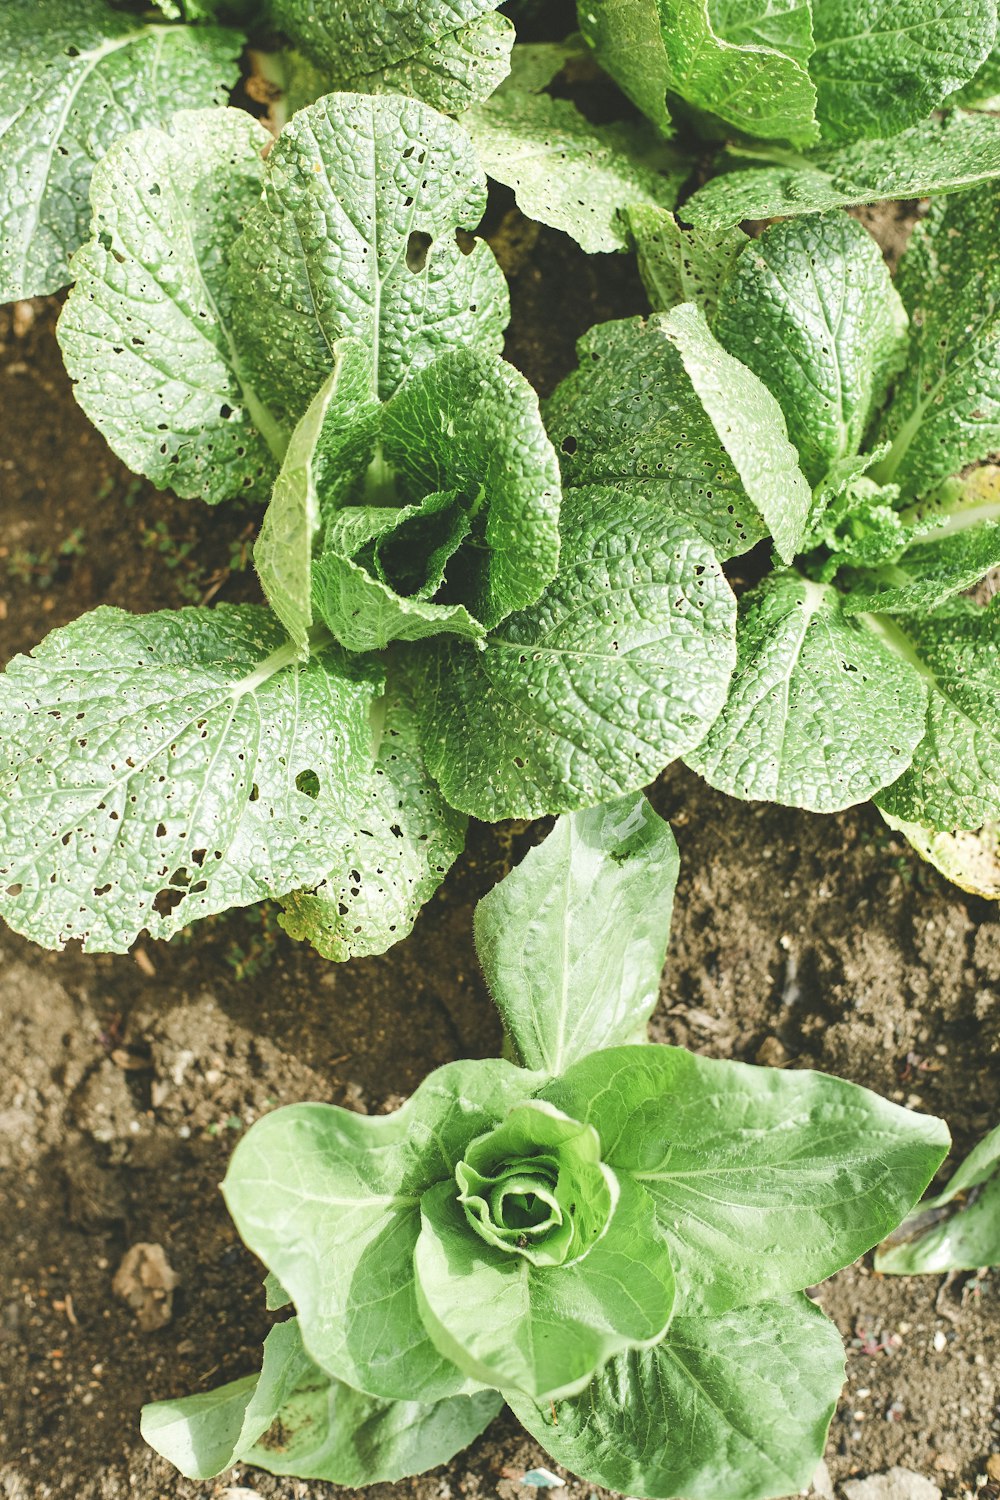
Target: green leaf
{"type": "Point", "coordinates": [629, 420]}
{"type": "Point", "coordinates": [928, 573]}
{"type": "Point", "coordinates": [573, 941]}
{"type": "Point", "coordinates": [953, 781]}
{"type": "Point", "coordinates": [328, 445]}
{"type": "Point", "coordinates": [945, 411]}
{"type": "Point", "coordinates": [750, 426]}
{"type": "Point", "coordinates": [205, 1434]}
{"type": "Point", "coordinates": [541, 1330]}
{"type": "Point", "coordinates": [458, 70]}
{"type": "Point", "coordinates": [937, 156]}
{"type": "Point", "coordinates": [969, 1237]}
{"type": "Point", "coordinates": [764, 1181]}
{"type": "Point", "coordinates": [761, 90]}
{"type": "Point", "coordinates": [820, 714]}
{"type": "Point", "coordinates": [568, 173]}
{"type": "Point", "coordinates": [159, 768]}
{"type": "Point", "coordinates": [406, 840]}
{"type": "Point", "coordinates": [681, 265]}
{"type": "Point", "coordinates": [147, 331]}
{"type": "Point", "coordinates": [737, 1405]}
{"type": "Point", "coordinates": [983, 91]}
{"type": "Point", "coordinates": [883, 66]}
{"type": "Point", "coordinates": [619, 668]}
{"type": "Point", "coordinates": [627, 40]}
{"type": "Point", "coordinates": [293, 1419]}
{"type": "Point", "coordinates": [368, 37]}
{"type": "Point", "coordinates": [811, 310]}
{"type": "Point", "coordinates": [355, 237]}
{"type": "Point", "coordinates": [75, 75]}
{"type": "Point", "coordinates": [330, 1202]}
{"type": "Point", "coordinates": [534, 65]}
{"type": "Point", "coordinates": [782, 25]}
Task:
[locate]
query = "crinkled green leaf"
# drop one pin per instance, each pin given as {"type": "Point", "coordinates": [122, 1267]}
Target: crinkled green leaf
{"type": "Point", "coordinates": [542, 1330]}
{"type": "Point", "coordinates": [572, 941]}
{"type": "Point", "coordinates": [460, 69]}
{"type": "Point", "coordinates": [369, 36]}
{"type": "Point", "coordinates": [330, 1202]}
{"type": "Point", "coordinates": [568, 173]}
{"type": "Point", "coordinates": [982, 91]}
{"type": "Point", "coordinates": [628, 42]}
{"type": "Point", "coordinates": [821, 714]}
{"type": "Point", "coordinates": [406, 840]}
{"type": "Point", "coordinates": [927, 574]}
{"type": "Point", "coordinates": [936, 156]}
{"type": "Point", "coordinates": [945, 411]}
{"type": "Point", "coordinates": [811, 310]}
{"type": "Point", "coordinates": [629, 420]}
{"type": "Point", "coordinates": [765, 1181]}
{"type": "Point", "coordinates": [883, 65]}
{"type": "Point", "coordinates": [681, 265]}
{"type": "Point", "coordinates": [326, 448]}
{"type": "Point", "coordinates": [736, 1405]}
{"type": "Point", "coordinates": [963, 1240]}
{"type": "Point", "coordinates": [75, 75]}
{"type": "Point", "coordinates": [534, 65]}
{"type": "Point", "coordinates": [953, 781]}
{"type": "Point", "coordinates": [970, 859]}
{"type": "Point", "coordinates": [337, 247]}
{"type": "Point", "coordinates": [296, 1420]}
{"type": "Point", "coordinates": [618, 669]}
{"type": "Point", "coordinates": [782, 25]}
{"type": "Point", "coordinates": [749, 424]}
{"type": "Point", "coordinates": [159, 768]}
{"type": "Point", "coordinates": [148, 330]}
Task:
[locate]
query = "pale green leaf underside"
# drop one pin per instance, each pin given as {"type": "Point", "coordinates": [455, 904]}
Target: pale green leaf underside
{"type": "Point", "coordinates": [329, 251]}
{"type": "Point", "coordinates": [406, 841]}
{"type": "Point", "coordinates": [541, 1330]}
{"type": "Point", "coordinates": [811, 310]}
{"type": "Point", "coordinates": [820, 714]}
{"type": "Point", "coordinates": [330, 1202]}
{"type": "Point", "coordinates": [566, 172]}
{"type": "Point", "coordinates": [148, 330]}
{"type": "Point", "coordinates": [149, 769]}
{"type": "Point", "coordinates": [737, 1405]}
{"type": "Point", "coordinates": [629, 420]}
{"type": "Point", "coordinates": [283, 551]}
{"type": "Point", "coordinates": [936, 156]}
{"type": "Point", "coordinates": [883, 65]}
{"type": "Point", "coordinates": [969, 859]}
{"type": "Point", "coordinates": [749, 424]}
{"type": "Point", "coordinates": [681, 265]}
{"type": "Point", "coordinates": [618, 669]}
{"type": "Point", "coordinates": [369, 35]}
{"type": "Point", "coordinates": [765, 1182]}
{"type": "Point", "coordinates": [74, 76]}
{"type": "Point", "coordinates": [953, 781]}
{"type": "Point", "coordinates": [945, 411]}
{"type": "Point", "coordinates": [293, 1419]}
{"type": "Point", "coordinates": [572, 941]}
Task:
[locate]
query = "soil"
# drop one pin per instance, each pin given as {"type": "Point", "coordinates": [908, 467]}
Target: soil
{"type": "Point", "coordinates": [798, 940]}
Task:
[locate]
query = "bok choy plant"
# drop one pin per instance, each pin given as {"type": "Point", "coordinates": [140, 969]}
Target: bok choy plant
{"type": "Point", "coordinates": [957, 1229]}
{"type": "Point", "coordinates": [612, 1236]}
{"type": "Point", "coordinates": [850, 410]}
{"type": "Point", "coordinates": [452, 630]}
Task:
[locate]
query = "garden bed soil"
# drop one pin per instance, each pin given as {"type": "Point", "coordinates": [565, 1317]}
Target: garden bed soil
{"type": "Point", "coordinates": [798, 940]}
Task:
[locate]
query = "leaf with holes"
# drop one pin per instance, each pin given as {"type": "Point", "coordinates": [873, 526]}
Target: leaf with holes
{"type": "Point", "coordinates": [160, 768]}
{"type": "Point", "coordinates": [75, 76]}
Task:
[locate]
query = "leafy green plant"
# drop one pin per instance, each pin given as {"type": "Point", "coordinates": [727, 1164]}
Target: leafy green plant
{"type": "Point", "coordinates": [821, 103]}
{"type": "Point", "coordinates": [78, 75]}
{"type": "Point", "coordinates": [848, 409]}
{"type": "Point", "coordinates": [450, 634]}
{"type": "Point", "coordinates": [957, 1229]}
{"type": "Point", "coordinates": [611, 1236]}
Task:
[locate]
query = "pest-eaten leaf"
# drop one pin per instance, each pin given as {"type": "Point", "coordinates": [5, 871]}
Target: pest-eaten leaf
{"type": "Point", "coordinates": [242, 296]}
{"type": "Point", "coordinates": [75, 76]}
{"type": "Point", "coordinates": [616, 1243]}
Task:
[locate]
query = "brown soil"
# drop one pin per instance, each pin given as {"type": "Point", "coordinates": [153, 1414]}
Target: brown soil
{"type": "Point", "coordinates": [127, 1079]}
